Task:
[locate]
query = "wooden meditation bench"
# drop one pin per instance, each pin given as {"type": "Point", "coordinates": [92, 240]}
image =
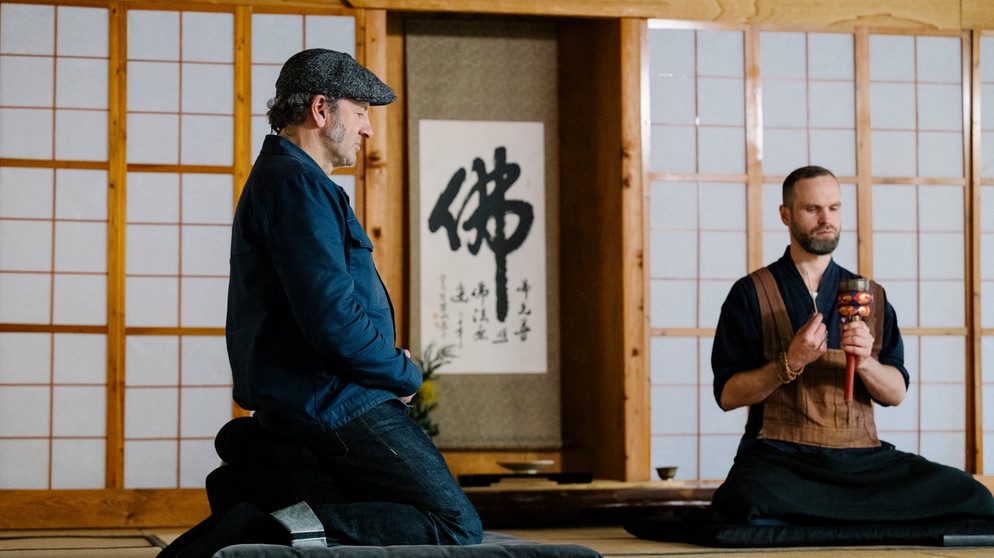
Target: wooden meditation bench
{"type": "Point", "coordinates": [531, 502]}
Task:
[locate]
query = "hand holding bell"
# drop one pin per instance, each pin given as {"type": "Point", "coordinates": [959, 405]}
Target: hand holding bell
{"type": "Point", "coordinates": [854, 302]}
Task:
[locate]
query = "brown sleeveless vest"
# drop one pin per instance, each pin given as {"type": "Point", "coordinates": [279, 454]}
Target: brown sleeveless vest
{"type": "Point", "coordinates": [812, 409]}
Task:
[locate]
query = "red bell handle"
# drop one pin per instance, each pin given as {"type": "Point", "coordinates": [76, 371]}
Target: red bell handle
{"type": "Point", "coordinates": [854, 304]}
{"type": "Point", "coordinates": [850, 375]}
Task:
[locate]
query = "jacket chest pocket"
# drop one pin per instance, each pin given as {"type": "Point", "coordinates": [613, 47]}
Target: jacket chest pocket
{"type": "Point", "coordinates": [369, 288]}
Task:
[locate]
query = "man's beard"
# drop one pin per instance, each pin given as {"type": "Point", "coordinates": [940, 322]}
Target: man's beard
{"type": "Point", "coordinates": [818, 246]}
{"type": "Point", "coordinates": [335, 136]}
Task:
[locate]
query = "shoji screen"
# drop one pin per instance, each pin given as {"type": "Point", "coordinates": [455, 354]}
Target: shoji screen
{"type": "Point", "coordinates": [800, 103]}
{"type": "Point", "coordinates": [697, 237]}
{"type": "Point", "coordinates": [987, 240]}
{"type": "Point", "coordinates": [53, 246]}
{"type": "Point", "coordinates": [919, 242]}
{"type": "Point", "coordinates": [180, 127]}
{"type": "Point", "coordinates": [69, 302]}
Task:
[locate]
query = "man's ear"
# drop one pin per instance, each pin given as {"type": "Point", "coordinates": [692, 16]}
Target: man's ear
{"type": "Point", "coordinates": [785, 215]}
{"type": "Point", "coordinates": [320, 109]}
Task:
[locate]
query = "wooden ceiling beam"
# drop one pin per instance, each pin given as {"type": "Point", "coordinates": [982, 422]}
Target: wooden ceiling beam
{"type": "Point", "coordinates": [937, 14]}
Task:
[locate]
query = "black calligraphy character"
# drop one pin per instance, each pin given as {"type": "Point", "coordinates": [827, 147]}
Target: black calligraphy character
{"type": "Point", "coordinates": [480, 291]}
{"type": "Point", "coordinates": [442, 316]}
{"type": "Point", "coordinates": [492, 206]}
{"type": "Point", "coordinates": [501, 337]}
{"type": "Point", "coordinates": [480, 334]}
{"type": "Point", "coordinates": [480, 316]}
{"type": "Point", "coordinates": [460, 295]}
{"type": "Point", "coordinates": [522, 332]}
{"type": "Point", "coordinates": [525, 288]}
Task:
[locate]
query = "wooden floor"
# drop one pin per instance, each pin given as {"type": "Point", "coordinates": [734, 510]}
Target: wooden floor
{"type": "Point", "coordinates": [609, 541]}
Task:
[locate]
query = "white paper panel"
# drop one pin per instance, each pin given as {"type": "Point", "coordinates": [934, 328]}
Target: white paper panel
{"type": "Point", "coordinates": [153, 198]}
{"type": "Point", "coordinates": [79, 358]}
{"type": "Point", "coordinates": [152, 250]}
{"type": "Point", "coordinates": [204, 411]}
{"type": "Point", "coordinates": [24, 411]}
{"type": "Point", "coordinates": [80, 299]}
{"type": "Point", "coordinates": [25, 358]}
{"type": "Point", "coordinates": [81, 194]}
{"type": "Point", "coordinates": [205, 361]}
{"type": "Point", "coordinates": [25, 193]}
{"type": "Point", "coordinates": [783, 55]}
{"type": "Point", "coordinates": [204, 301]}
{"type": "Point", "coordinates": [78, 464]}
{"type": "Point", "coordinates": [82, 31]}
{"type": "Point", "coordinates": [79, 411]}
{"type": "Point", "coordinates": [152, 360]}
{"type": "Point", "coordinates": [152, 301]}
{"type": "Point", "coordinates": [208, 37]}
{"type": "Point", "coordinates": [197, 459]}
{"type": "Point", "coordinates": [153, 35]}
{"type": "Point", "coordinates": [151, 412]}
{"type": "Point", "coordinates": [80, 246]}
{"type": "Point", "coordinates": [150, 463]}
{"type": "Point", "coordinates": [27, 29]}
{"type": "Point", "coordinates": [30, 469]}
{"type": "Point", "coordinates": [25, 298]}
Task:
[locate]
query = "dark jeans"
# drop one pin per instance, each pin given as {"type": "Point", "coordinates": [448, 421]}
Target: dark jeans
{"type": "Point", "coordinates": [396, 485]}
{"type": "Point", "coordinates": [377, 480]}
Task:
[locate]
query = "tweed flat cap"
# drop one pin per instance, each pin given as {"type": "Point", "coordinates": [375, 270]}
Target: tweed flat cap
{"type": "Point", "coordinates": [337, 74]}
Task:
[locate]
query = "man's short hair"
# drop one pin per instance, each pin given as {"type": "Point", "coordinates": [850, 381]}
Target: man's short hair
{"type": "Point", "coordinates": [803, 173]}
{"type": "Point", "coordinates": [291, 110]}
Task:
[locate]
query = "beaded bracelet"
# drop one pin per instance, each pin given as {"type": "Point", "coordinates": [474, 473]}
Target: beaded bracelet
{"type": "Point", "coordinates": [784, 372]}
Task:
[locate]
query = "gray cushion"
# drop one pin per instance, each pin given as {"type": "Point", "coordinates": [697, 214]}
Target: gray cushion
{"type": "Point", "coordinates": [494, 545]}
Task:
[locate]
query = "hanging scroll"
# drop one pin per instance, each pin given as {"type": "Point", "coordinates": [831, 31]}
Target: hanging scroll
{"type": "Point", "coordinates": [482, 219]}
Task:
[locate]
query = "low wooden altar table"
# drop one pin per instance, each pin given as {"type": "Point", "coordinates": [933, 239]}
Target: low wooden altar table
{"type": "Point", "coordinates": [542, 502]}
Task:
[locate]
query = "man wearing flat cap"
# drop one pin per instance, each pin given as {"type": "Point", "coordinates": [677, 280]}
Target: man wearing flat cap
{"type": "Point", "coordinates": [330, 455]}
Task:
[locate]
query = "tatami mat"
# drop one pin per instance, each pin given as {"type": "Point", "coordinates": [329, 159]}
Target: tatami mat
{"type": "Point", "coordinates": [616, 542]}
{"type": "Point", "coordinates": [82, 543]}
{"type": "Point", "coordinates": [612, 542]}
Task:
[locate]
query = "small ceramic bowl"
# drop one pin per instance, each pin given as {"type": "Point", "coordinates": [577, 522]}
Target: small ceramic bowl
{"type": "Point", "coordinates": [666, 473]}
{"type": "Point", "coordinates": [526, 467]}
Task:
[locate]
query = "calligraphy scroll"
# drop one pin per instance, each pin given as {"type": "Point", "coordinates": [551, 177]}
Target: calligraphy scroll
{"type": "Point", "coordinates": [482, 244]}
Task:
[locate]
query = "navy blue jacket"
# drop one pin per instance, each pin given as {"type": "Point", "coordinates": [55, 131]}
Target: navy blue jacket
{"type": "Point", "coordinates": [310, 328]}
